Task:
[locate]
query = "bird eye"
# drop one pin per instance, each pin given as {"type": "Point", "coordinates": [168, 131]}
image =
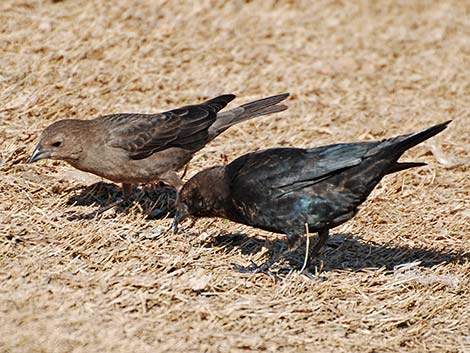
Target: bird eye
{"type": "Point", "coordinates": [56, 144]}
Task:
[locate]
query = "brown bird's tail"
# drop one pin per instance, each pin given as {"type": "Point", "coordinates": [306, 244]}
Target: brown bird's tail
{"type": "Point", "coordinates": [218, 103]}
{"type": "Point", "coordinates": [247, 111]}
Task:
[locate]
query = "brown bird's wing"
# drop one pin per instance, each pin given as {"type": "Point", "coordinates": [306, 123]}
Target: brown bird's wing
{"type": "Point", "coordinates": [144, 134]}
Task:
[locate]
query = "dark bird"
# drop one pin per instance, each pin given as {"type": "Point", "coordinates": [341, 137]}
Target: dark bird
{"type": "Point", "coordinates": [284, 189]}
{"type": "Point", "coordinates": [143, 148]}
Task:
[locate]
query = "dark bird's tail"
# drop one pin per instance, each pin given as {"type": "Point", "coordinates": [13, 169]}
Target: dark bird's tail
{"type": "Point", "coordinates": [247, 111]}
{"type": "Point", "coordinates": [405, 142]}
{"type": "Point", "coordinates": [396, 146]}
{"type": "Point", "coordinates": [391, 149]}
{"type": "Point", "coordinates": [398, 167]}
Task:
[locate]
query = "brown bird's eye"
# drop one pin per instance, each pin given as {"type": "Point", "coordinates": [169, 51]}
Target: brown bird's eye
{"type": "Point", "coordinates": [56, 144]}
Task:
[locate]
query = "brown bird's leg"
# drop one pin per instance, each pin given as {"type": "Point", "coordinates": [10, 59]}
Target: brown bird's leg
{"type": "Point", "coordinates": [126, 191]}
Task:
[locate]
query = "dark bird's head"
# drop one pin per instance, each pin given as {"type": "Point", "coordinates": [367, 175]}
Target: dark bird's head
{"type": "Point", "coordinates": [204, 195]}
{"type": "Point", "coordinates": [61, 140]}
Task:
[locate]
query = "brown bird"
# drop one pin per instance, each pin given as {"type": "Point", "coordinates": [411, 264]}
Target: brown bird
{"type": "Point", "coordinates": [143, 148]}
{"type": "Point", "coordinates": [284, 189]}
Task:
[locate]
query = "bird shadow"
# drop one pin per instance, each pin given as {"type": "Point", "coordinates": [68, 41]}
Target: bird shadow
{"type": "Point", "coordinates": [156, 201]}
{"type": "Point", "coordinates": [342, 251]}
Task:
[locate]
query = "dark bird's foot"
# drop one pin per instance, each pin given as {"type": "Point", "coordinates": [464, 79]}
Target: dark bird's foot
{"type": "Point", "coordinates": [254, 268]}
{"type": "Point", "coordinates": [311, 253]}
{"type": "Point", "coordinates": [313, 276]}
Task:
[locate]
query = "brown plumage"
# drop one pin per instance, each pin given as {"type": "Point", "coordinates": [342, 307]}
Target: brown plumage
{"type": "Point", "coordinates": [143, 148]}
{"type": "Point", "coordinates": [283, 189]}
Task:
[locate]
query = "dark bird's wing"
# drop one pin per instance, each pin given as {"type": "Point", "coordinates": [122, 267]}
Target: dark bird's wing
{"type": "Point", "coordinates": [282, 189]}
{"type": "Point", "coordinates": [141, 135]}
{"type": "Point", "coordinates": [281, 170]}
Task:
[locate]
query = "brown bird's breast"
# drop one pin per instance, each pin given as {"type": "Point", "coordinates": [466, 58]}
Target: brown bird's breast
{"type": "Point", "coordinates": [115, 165]}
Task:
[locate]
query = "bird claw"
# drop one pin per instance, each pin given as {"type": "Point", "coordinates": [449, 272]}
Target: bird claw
{"type": "Point", "coordinates": [254, 268]}
{"type": "Point", "coordinates": [306, 273]}
{"type": "Point", "coordinates": [312, 276]}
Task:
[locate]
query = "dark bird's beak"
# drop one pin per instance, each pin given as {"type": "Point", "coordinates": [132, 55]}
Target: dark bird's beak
{"type": "Point", "coordinates": [174, 225]}
{"type": "Point", "coordinates": [181, 214]}
{"type": "Point", "coordinates": [38, 154]}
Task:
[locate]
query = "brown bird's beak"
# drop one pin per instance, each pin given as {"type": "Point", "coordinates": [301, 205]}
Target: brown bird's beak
{"type": "Point", "coordinates": [38, 154]}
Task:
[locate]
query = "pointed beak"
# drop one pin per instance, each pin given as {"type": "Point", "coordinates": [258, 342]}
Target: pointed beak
{"type": "Point", "coordinates": [38, 154]}
{"type": "Point", "coordinates": [174, 225]}
{"type": "Point", "coordinates": [181, 214]}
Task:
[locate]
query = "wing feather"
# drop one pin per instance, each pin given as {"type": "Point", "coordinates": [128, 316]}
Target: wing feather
{"type": "Point", "coordinates": [142, 135]}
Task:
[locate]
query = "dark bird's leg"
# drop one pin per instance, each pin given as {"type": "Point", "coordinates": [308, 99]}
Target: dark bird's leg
{"type": "Point", "coordinates": [292, 241]}
{"type": "Point", "coordinates": [313, 252]}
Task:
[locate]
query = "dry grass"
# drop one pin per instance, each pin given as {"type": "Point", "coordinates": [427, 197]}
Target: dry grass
{"type": "Point", "coordinates": [396, 278]}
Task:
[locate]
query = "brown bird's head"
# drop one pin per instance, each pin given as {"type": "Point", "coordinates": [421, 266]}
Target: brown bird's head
{"type": "Point", "coordinates": [61, 140]}
{"type": "Point", "coordinates": [204, 195]}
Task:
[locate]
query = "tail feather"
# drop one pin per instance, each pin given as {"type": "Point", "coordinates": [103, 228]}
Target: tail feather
{"type": "Point", "coordinates": [264, 102]}
{"type": "Point", "coordinates": [396, 146]}
{"type": "Point", "coordinates": [219, 102]}
{"type": "Point", "coordinates": [408, 141]}
{"type": "Point", "coordinates": [247, 111]}
{"type": "Point", "coordinates": [268, 110]}
{"type": "Point", "coordinates": [397, 167]}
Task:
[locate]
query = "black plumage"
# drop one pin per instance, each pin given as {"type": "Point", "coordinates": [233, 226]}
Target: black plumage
{"type": "Point", "coordinates": [283, 189]}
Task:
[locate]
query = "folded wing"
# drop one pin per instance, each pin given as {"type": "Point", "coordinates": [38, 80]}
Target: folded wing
{"type": "Point", "coordinates": [283, 170]}
{"type": "Point", "coordinates": [142, 135]}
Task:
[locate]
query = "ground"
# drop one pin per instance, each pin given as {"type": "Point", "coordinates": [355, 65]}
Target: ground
{"type": "Point", "coordinates": [395, 278]}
